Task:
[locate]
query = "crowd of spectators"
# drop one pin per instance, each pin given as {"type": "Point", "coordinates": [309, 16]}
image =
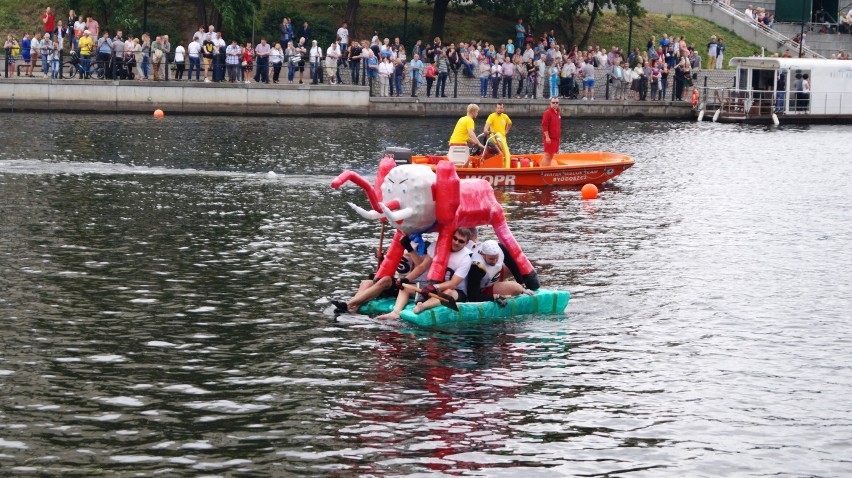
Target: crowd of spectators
{"type": "Point", "coordinates": [524, 66]}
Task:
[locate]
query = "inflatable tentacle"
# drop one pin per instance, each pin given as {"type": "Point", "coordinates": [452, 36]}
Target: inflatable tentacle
{"type": "Point", "coordinates": [446, 193]}
{"type": "Point", "coordinates": [505, 236]}
{"type": "Point", "coordinates": [372, 195]}
{"type": "Point", "coordinates": [442, 252]}
{"type": "Point", "coordinates": [392, 257]}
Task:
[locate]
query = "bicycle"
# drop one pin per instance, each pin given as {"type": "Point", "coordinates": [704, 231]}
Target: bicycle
{"type": "Point", "coordinates": [76, 68]}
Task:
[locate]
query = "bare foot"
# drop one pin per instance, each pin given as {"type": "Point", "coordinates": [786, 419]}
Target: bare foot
{"type": "Point", "coordinates": [389, 315]}
{"type": "Point", "coordinates": [418, 308]}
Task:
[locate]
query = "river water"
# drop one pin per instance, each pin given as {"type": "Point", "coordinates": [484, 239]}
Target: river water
{"type": "Point", "coordinates": [165, 307]}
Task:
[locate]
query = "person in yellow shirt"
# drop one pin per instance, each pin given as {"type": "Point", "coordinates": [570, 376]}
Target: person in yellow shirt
{"type": "Point", "coordinates": [464, 133]}
{"type": "Point", "coordinates": [86, 45]}
{"type": "Point", "coordinates": [498, 124]}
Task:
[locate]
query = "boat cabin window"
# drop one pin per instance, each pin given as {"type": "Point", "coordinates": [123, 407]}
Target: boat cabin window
{"type": "Point", "coordinates": [763, 80]}
{"type": "Point", "coordinates": [742, 79]}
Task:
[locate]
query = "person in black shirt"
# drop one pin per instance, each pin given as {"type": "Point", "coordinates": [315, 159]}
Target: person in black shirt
{"type": "Point", "coordinates": [355, 61]}
{"type": "Point", "coordinates": [207, 49]}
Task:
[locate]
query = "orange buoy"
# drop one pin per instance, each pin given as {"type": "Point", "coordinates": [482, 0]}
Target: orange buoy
{"type": "Point", "coordinates": [589, 191]}
{"type": "Point", "coordinates": [695, 97]}
{"type": "Point", "coordinates": [158, 114]}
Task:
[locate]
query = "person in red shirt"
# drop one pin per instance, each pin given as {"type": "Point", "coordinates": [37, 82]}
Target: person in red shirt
{"type": "Point", "coordinates": [49, 20]}
{"type": "Point", "coordinates": [551, 130]}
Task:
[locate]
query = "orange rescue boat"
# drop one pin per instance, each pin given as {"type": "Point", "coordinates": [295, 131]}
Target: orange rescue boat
{"type": "Point", "coordinates": [566, 169]}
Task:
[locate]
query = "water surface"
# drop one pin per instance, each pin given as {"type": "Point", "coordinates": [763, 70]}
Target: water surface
{"type": "Point", "coordinates": [164, 302]}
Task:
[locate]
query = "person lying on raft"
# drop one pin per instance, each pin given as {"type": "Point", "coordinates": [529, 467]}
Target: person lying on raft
{"type": "Point", "coordinates": [386, 286]}
{"type": "Point", "coordinates": [483, 280]}
{"type": "Point", "coordinates": [455, 284]}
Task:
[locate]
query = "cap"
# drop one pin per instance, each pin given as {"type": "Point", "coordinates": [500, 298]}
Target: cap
{"type": "Point", "coordinates": [86, 32]}
{"type": "Point", "coordinates": [489, 248]}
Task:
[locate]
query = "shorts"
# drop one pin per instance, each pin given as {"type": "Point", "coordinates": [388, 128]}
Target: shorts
{"type": "Point", "coordinates": [207, 62]}
{"type": "Point", "coordinates": [462, 296]}
{"type": "Point", "coordinates": [551, 148]}
{"type": "Point", "coordinates": [589, 83]}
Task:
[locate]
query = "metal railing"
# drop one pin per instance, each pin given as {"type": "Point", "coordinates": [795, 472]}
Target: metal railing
{"type": "Point", "coordinates": [741, 16]}
{"type": "Point", "coordinates": [737, 103]}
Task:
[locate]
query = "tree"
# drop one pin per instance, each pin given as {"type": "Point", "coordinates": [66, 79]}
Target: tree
{"type": "Point", "coordinates": [564, 13]}
{"type": "Point", "coordinates": [352, 16]}
{"type": "Point", "coordinates": [439, 17]}
{"type": "Point", "coordinates": [116, 14]}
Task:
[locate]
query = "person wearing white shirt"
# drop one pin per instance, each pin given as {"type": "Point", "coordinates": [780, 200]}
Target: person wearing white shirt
{"type": "Point", "coordinates": [194, 51]}
{"type": "Point", "coordinates": [276, 57]}
{"type": "Point", "coordinates": [385, 72]}
{"type": "Point", "coordinates": [846, 22]}
{"type": "Point", "coordinates": [315, 55]}
{"type": "Point", "coordinates": [332, 56]}
{"type": "Point", "coordinates": [180, 61]}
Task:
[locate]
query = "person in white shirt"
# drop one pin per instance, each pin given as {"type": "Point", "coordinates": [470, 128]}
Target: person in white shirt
{"type": "Point", "coordinates": [276, 58]}
{"type": "Point", "coordinates": [332, 56]}
{"type": "Point", "coordinates": [180, 61]}
{"type": "Point", "coordinates": [455, 278]}
{"type": "Point", "coordinates": [194, 51]}
{"type": "Point", "coordinates": [315, 55]}
{"type": "Point", "coordinates": [385, 72]}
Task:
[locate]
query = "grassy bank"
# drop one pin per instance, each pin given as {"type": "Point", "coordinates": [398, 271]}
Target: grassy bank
{"type": "Point", "coordinates": [386, 17]}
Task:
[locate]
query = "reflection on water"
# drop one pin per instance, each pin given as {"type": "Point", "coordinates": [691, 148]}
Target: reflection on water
{"type": "Point", "coordinates": [165, 307]}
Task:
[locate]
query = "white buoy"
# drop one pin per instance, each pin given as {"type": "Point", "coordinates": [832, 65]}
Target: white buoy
{"type": "Point", "coordinates": [775, 119]}
{"type": "Point", "coordinates": [701, 116]}
{"type": "Point", "coordinates": [271, 174]}
{"type": "Point", "coordinates": [716, 115]}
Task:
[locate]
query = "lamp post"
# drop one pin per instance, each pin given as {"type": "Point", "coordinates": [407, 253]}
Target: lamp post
{"type": "Point", "coordinates": [802, 33]}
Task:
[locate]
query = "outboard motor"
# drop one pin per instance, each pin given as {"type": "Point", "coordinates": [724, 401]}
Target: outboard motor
{"type": "Point", "coordinates": [400, 155]}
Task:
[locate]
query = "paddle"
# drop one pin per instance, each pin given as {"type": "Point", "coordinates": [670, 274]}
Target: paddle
{"type": "Point", "coordinates": [380, 253]}
{"type": "Point", "coordinates": [445, 298]}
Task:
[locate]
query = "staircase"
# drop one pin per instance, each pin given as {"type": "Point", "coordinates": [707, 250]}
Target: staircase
{"type": "Point", "coordinates": [826, 44]}
{"type": "Point", "coordinates": [733, 19]}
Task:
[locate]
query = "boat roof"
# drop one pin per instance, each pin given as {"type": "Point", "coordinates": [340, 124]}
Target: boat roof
{"type": "Point", "coordinates": [790, 63]}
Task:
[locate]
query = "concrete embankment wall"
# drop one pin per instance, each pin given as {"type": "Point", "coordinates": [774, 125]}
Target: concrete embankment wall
{"type": "Point", "coordinates": [198, 98]}
{"type": "Point", "coordinates": [521, 108]}
{"type": "Point", "coordinates": [287, 100]}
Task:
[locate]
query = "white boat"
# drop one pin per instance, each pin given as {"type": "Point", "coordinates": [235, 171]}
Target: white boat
{"type": "Point", "coordinates": [767, 89]}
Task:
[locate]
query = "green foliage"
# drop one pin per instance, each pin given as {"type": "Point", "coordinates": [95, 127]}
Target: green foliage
{"type": "Point", "coordinates": [322, 30]}
{"type": "Point", "coordinates": [237, 16]}
{"type": "Point", "coordinates": [490, 20]}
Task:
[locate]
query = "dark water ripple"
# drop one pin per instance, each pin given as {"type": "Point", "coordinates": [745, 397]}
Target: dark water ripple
{"type": "Point", "coordinates": [164, 303]}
